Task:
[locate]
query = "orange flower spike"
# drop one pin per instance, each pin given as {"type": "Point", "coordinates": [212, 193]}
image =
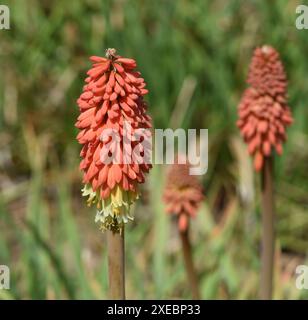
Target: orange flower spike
{"type": "Point", "coordinates": [112, 94]}
{"type": "Point", "coordinates": [182, 195]}
{"type": "Point", "coordinates": [263, 111]}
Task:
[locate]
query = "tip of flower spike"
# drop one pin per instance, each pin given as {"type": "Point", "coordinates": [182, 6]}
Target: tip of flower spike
{"type": "Point", "coordinates": [267, 49]}
{"type": "Point", "coordinates": [111, 53]}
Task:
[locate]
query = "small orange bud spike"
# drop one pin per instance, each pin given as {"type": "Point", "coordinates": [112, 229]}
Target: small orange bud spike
{"type": "Point", "coordinates": [183, 194]}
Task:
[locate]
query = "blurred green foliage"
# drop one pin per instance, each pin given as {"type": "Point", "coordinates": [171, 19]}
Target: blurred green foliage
{"type": "Point", "coordinates": [194, 56]}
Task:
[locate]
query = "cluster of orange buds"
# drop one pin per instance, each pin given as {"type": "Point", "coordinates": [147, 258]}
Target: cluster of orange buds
{"type": "Point", "coordinates": [112, 96]}
{"type": "Point", "coordinates": [263, 110]}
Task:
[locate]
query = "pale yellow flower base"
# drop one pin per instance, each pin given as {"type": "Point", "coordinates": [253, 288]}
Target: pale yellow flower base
{"type": "Point", "coordinates": [114, 212]}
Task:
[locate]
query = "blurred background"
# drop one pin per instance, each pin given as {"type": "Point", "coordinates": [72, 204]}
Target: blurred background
{"type": "Point", "coordinates": [194, 56]}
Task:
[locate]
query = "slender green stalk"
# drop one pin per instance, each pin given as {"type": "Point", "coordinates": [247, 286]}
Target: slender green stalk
{"type": "Point", "coordinates": [268, 234]}
{"type": "Point", "coordinates": [116, 265]}
{"type": "Point", "coordinates": [189, 265]}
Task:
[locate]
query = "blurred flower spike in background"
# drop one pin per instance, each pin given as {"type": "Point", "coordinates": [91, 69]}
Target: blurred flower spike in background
{"type": "Point", "coordinates": [183, 192]}
{"type": "Point", "coordinates": [263, 111]}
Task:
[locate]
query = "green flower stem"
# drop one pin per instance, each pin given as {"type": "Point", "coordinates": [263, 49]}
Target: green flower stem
{"type": "Point", "coordinates": [189, 265]}
{"type": "Point", "coordinates": [268, 234]}
{"type": "Point", "coordinates": [116, 264]}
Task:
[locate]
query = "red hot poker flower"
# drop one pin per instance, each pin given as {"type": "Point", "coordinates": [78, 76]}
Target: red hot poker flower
{"type": "Point", "coordinates": [183, 194]}
{"type": "Point", "coordinates": [263, 110]}
{"type": "Point", "coordinates": [112, 96]}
